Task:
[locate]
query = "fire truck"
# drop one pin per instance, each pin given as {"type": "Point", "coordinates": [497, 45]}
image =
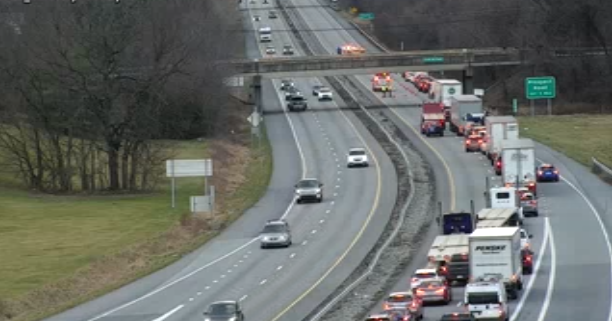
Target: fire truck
{"type": "Point", "coordinates": [351, 49]}
{"type": "Point", "coordinates": [382, 79]}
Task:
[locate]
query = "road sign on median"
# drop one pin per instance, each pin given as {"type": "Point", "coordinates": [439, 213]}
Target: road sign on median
{"type": "Point", "coordinates": [541, 87]}
{"type": "Point", "coordinates": [433, 60]}
{"type": "Point", "coordinates": [366, 16]}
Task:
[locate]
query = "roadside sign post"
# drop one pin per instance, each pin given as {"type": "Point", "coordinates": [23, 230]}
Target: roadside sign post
{"type": "Point", "coordinates": [515, 106]}
{"type": "Point", "coordinates": [541, 88]}
{"type": "Point", "coordinates": [255, 119]}
{"type": "Point", "coordinates": [176, 168]}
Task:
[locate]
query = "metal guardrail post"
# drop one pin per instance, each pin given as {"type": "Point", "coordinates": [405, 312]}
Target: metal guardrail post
{"type": "Point", "coordinates": [602, 170]}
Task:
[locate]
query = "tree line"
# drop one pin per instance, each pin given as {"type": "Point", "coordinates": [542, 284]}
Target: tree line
{"type": "Point", "coordinates": [526, 24]}
{"type": "Point", "coordinates": [91, 90]}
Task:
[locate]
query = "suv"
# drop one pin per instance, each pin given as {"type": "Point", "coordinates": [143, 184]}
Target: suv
{"type": "Point", "coordinates": [288, 50]}
{"type": "Point", "coordinates": [325, 93]}
{"type": "Point", "coordinates": [276, 233]}
{"type": "Point", "coordinates": [309, 189]}
{"type": "Point", "coordinates": [297, 103]}
{"type": "Point", "coordinates": [224, 311]}
{"type": "Point", "coordinates": [286, 84]}
{"type": "Point", "coordinates": [272, 14]}
{"type": "Point", "coordinates": [357, 157]}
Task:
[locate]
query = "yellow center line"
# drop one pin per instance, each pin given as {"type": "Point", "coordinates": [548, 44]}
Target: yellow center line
{"type": "Point", "coordinates": [359, 234]}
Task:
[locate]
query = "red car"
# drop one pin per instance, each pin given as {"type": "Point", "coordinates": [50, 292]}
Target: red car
{"type": "Point", "coordinates": [527, 256]}
{"type": "Point", "coordinates": [434, 290]}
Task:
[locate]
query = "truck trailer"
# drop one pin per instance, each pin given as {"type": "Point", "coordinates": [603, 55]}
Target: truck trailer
{"type": "Point", "coordinates": [449, 253]}
{"type": "Point", "coordinates": [496, 253]}
{"type": "Point", "coordinates": [499, 128]}
{"type": "Point", "coordinates": [519, 164]}
{"type": "Point", "coordinates": [462, 109]}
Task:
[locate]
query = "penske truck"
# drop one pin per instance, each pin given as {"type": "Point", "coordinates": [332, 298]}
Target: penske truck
{"type": "Point", "coordinates": [518, 164]}
{"type": "Point", "coordinates": [496, 253]}
{"type": "Point", "coordinates": [499, 128]}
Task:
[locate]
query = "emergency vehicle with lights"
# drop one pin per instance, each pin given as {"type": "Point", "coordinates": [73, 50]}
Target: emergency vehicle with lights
{"type": "Point", "coordinates": [351, 49]}
{"type": "Point", "coordinates": [380, 80]}
{"type": "Point", "coordinates": [499, 128]}
{"type": "Point", "coordinates": [496, 252]}
{"type": "Point", "coordinates": [461, 107]}
{"type": "Point", "coordinates": [518, 165]}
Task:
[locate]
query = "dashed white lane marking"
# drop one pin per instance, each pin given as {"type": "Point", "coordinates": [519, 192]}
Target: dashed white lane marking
{"type": "Point", "coordinates": [321, 221]}
{"type": "Point", "coordinates": [339, 172]}
{"type": "Point", "coordinates": [338, 165]}
{"type": "Point", "coordinates": [222, 276]}
{"type": "Point", "coordinates": [245, 256]}
{"type": "Point", "coordinates": [292, 255]}
{"type": "Point", "coordinates": [215, 281]}
{"type": "Point", "coordinates": [169, 313]}
{"type": "Point", "coordinates": [249, 252]}
{"type": "Point", "coordinates": [207, 287]}
{"type": "Point", "coordinates": [240, 261]}
{"type": "Point", "coordinates": [332, 203]}
{"type": "Point", "coordinates": [328, 211]}
{"type": "Point", "coordinates": [313, 231]}
{"type": "Point", "coordinates": [304, 242]}
{"type": "Point", "coordinates": [229, 271]}
{"type": "Point", "coordinates": [236, 265]}
{"type": "Point", "coordinates": [199, 293]}
{"type": "Point", "coordinates": [263, 281]}
{"type": "Point", "coordinates": [338, 179]}
{"type": "Point", "coordinates": [337, 160]}
{"type": "Point", "coordinates": [280, 267]}
{"type": "Point", "coordinates": [243, 297]}
{"type": "Point", "coordinates": [190, 299]}
{"type": "Point", "coordinates": [335, 194]}
{"type": "Point", "coordinates": [337, 186]}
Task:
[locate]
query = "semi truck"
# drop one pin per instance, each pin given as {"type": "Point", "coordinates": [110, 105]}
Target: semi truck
{"type": "Point", "coordinates": [499, 128]}
{"type": "Point", "coordinates": [463, 109]}
{"type": "Point", "coordinates": [499, 217]}
{"type": "Point", "coordinates": [433, 121]}
{"type": "Point", "coordinates": [442, 90]}
{"type": "Point", "coordinates": [518, 164]}
{"type": "Point", "coordinates": [449, 254]}
{"type": "Point", "coordinates": [496, 253]}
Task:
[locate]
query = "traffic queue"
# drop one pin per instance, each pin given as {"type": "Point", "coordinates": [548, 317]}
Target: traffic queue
{"type": "Point", "coordinates": [487, 252]}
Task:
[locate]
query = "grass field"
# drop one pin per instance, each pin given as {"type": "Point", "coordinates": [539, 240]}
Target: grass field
{"type": "Point", "coordinates": [48, 243]}
{"type": "Point", "coordinates": [578, 136]}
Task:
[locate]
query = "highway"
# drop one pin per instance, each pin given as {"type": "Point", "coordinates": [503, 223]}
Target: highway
{"type": "Point", "coordinates": [329, 239]}
{"type": "Point", "coordinates": [577, 244]}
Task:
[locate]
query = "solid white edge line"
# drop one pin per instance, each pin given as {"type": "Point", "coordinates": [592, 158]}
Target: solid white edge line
{"type": "Point", "coordinates": [532, 279]}
{"type": "Point", "coordinates": [169, 313]}
{"type": "Point", "coordinates": [603, 231]}
{"type": "Point", "coordinates": [551, 279]}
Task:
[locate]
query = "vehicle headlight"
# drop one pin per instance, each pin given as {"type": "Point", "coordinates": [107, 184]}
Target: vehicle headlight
{"type": "Point", "coordinates": [206, 319]}
{"type": "Point", "coordinates": [319, 191]}
{"type": "Point", "coordinates": [282, 237]}
{"type": "Point", "coordinates": [232, 319]}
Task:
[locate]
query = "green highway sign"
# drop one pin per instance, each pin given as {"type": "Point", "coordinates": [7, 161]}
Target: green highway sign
{"type": "Point", "coordinates": [429, 60]}
{"type": "Point", "coordinates": [366, 16]}
{"type": "Point", "coordinates": [541, 87]}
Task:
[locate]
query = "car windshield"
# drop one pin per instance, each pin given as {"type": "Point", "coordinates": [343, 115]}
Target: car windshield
{"type": "Point", "coordinates": [483, 298]}
{"type": "Point", "coordinates": [431, 284]}
{"type": "Point", "coordinates": [297, 98]}
{"type": "Point", "coordinates": [287, 46]}
{"type": "Point", "coordinates": [399, 298]}
{"type": "Point", "coordinates": [325, 90]}
{"type": "Point", "coordinates": [222, 309]}
{"type": "Point", "coordinates": [274, 228]}
{"type": "Point", "coordinates": [357, 152]}
{"type": "Point", "coordinates": [425, 275]}
{"type": "Point", "coordinates": [547, 168]}
{"type": "Point", "coordinates": [308, 184]}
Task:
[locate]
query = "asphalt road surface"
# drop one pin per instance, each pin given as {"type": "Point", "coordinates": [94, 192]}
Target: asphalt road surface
{"type": "Point", "coordinates": [330, 239]}
{"type": "Point", "coordinates": [573, 279]}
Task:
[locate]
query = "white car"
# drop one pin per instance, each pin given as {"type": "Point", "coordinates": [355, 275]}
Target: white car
{"type": "Point", "coordinates": [422, 274]}
{"type": "Point", "coordinates": [270, 50]}
{"type": "Point", "coordinates": [325, 94]}
{"type": "Point", "coordinates": [525, 243]}
{"type": "Point", "coordinates": [357, 157]}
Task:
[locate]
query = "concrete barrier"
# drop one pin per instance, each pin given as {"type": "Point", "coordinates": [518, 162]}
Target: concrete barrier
{"type": "Point", "coordinates": [603, 171]}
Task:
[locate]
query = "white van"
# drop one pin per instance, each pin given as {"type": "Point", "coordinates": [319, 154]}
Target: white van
{"type": "Point", "coordinates": [486, 295]}
{"type": "Point", "coordinates": [265, 34]}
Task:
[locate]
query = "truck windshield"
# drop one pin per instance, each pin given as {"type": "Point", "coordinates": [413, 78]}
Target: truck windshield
{"type": "Point", "coordinates": [483, 298]}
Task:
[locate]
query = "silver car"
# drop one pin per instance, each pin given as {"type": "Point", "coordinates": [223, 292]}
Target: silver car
{"type": "Point", "coordinates": [309, 189]}
{"type": "Point", "coordinates": [276, 233]}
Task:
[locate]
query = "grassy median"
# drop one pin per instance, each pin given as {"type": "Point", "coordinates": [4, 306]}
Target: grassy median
{"type": "Point", "coordinates": [577, 136]}
{"type": "Point", "coordinates": [58, 251]}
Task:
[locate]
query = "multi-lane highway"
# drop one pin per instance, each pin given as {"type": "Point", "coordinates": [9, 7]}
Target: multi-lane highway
{"type": "Point", "coordinates": [573, 279]}
{"type": "Point", "coordinates": [576, 243]}
{"type": "Point", "coordinates": [330, 239]}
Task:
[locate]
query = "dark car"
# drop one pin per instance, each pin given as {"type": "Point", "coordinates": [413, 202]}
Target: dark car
{"type": "Point", "coordinates": [292, 92]}
{"type": "Point", "coordinates": [297, 103]}
{"type": "Point", "coordinates": [547, 173]}
{"type": "Point", "coordinates": [286, 84]}
{"type": "Point", "coordinates": [224, 311]}
{"type": "Point", "coordinates": [527, 258]}
{"type": "Point", "coordinates": [498, 165]}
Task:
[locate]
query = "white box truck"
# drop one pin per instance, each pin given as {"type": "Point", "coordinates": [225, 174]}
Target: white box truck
{"type": "Point", "coordinates": [496, 253]}
{"type": "Point", "coordinates": [463, 110]}
{"type": "Point", "coordinates": [499, 128]}
{"type": "Point", "coordinates": [442, 90]}
{"type": "Point", "coordinates": [519, 164]}
{"type": "Point", "coordinates": [265, 34]}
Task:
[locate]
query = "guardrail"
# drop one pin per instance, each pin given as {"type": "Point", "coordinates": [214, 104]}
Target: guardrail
{"type": "Point", "coordinates": [603, 171]}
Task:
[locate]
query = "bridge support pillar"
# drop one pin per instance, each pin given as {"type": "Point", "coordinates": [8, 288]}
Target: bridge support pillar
{"type": "Point", "coordinates": [257, 96]}
{"type": "Point", "coordinates": [468, 81]}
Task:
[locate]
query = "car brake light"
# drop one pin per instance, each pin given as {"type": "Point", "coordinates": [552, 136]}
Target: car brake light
{"type": "Point", "coordinates": [540, 172]}
{"type": "Point", "coordinates": [376, 78]}
{"type": "Point", "coordinates": [556, 172]}
{"type": "Point", "coordinates": [480, 141]}
{"type": "Point", "coordinates": [531, 184]}
{"type": "Point", "coordinates": [528, 259]}
{"type": "Point", "coordinates": [467, 142]}
{"type": "Point", "coordinates": [415, 279]}
{"type": "Point", "coordinates": [498, 164]}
